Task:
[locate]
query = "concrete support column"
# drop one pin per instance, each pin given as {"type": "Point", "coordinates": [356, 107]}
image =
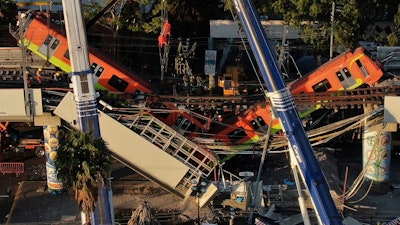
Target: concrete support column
{"type": "Point", "coordinates": [52, 134]}
{"type": "Point", "coordinates": [376, 151]}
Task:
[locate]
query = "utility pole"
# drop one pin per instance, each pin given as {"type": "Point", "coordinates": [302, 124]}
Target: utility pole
{"type": "Point", "coordinates": [85, 96]}
{"type": "Point", "coordinates": [332, 29]}
{"type": "Point", "coordinates": [21, 24]}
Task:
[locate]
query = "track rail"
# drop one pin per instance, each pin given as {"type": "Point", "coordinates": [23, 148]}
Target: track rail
{"type": "Point", "coordinates": [351, 98]}
{"type": "Point", "coordinates": [341, 99]}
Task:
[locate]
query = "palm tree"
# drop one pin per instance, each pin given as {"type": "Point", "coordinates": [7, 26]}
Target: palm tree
{"type": "Point", "coordinates": [83, 163]}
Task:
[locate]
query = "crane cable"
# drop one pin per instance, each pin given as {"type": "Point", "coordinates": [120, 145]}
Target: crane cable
{"type": "Point", "coordinates": [163, 39]}
{"type": "Point", "coordinates": [246, 49]}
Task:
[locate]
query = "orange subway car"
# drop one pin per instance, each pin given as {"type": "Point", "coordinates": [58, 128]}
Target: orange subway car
{"type": "Point", "coordinates": [49, 41]}
{"type": "Point", "coordinates": [347, 71]}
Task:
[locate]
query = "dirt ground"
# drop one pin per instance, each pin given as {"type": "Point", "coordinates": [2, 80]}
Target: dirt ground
{"type": "Point", "coordinates": [131, 190]}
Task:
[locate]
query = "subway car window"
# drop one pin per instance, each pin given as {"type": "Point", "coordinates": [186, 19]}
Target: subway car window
{"type": "Point", "coordinates": [184, 124]}
{"type": "Point", "coordinates": [362, 68]}
{"type": "Point", "coordinates": [343, 74]}
{"type": "Point", "coordinates": [257, 122]}
{"type": "Point", "coordinates": [99, 72]}
{"type": "Point", "coordinates": [347, 72]}
{"type": "Point", "coordinates": [93, 67]}
{"type": "Point", "coordinates": [254, 124]}
{"type": "Point", "coordinates": [236, 135]}
{"type": "Point", "coordinates": [261, 121]}
{"type": "Point", "coordinates": [55, 44]}
{"type": "Point", "coordinates": [66, 54]}
{"type": "Point", "coordinates": [48, 40]}
{"type": "Point", "coordinates": [118, 83]}
{"type": "Point", "coordinates": [322, 86]}
{"type": "Point", "coordinates": [340, 76]}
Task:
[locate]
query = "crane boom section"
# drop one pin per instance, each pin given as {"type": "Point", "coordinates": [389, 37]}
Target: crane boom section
{"type": "Point", "coordinates": [85, 95]}
{"type": "Point", "coordinates": [81, 75]}
{"type": "Point", "coordinates": [285, 109]}
{"type": "Point", "coordinates": [78, 51]}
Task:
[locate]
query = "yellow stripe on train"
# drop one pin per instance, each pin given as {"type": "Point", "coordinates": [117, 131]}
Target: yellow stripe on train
{"type": "Point", "coordinates": [54, 60]}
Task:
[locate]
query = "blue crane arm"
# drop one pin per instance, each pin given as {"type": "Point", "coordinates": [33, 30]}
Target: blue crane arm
{"type": "Point", "coordinates": [285, 109]}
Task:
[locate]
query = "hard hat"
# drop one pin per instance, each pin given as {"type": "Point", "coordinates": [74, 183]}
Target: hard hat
{"type": "Point", "coordinates": [40, 69]}
{"type": "Point", "coordinates": [57, 74]}
{"type": "Point", "coordinates": [27, 72]}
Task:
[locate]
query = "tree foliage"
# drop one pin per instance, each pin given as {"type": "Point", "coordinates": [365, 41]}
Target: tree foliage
{"type": "Point", "coordinates": [83, 163]}
{"type": "Point", "coordinates": [351, 18]}
{"type": "Point", "coordinates": [191, 18]}
{"type": "Point", "coordinates": [8, 11]}
{"type": "Point", "coordinates": [393, 40]}
{"type": "Point", "coordinates": [146, 16]}
{"type": "Point", "coordinates": [396, 19]}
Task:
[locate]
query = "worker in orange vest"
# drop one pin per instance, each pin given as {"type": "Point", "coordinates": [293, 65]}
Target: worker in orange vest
{"type": "Point", "coordinates": [39, 75]}
{"type": "Point", "coordinates": [56, 76]}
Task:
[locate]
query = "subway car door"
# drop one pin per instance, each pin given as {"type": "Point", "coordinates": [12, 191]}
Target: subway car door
{"type": "Point", "coordinates": [345, 77]}
{"type": "Point", "coordinates": [49, 46]}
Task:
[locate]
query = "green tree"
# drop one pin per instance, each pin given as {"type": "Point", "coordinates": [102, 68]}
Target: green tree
{"type": "Point", "coordinates": [146, 16]}
{"type": "Point", "coordinates": [352, 18]}
{"type": "Point", "coordinates": [83, 163]}
{"type": "Point", "coordinates": [129, 15]}
{"type": "Point", "coordinates": [110, 20]}
{"type": "Point", "coordinates": [396, 19]}
{"type": "Point", "coordinates": [393, 40]}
